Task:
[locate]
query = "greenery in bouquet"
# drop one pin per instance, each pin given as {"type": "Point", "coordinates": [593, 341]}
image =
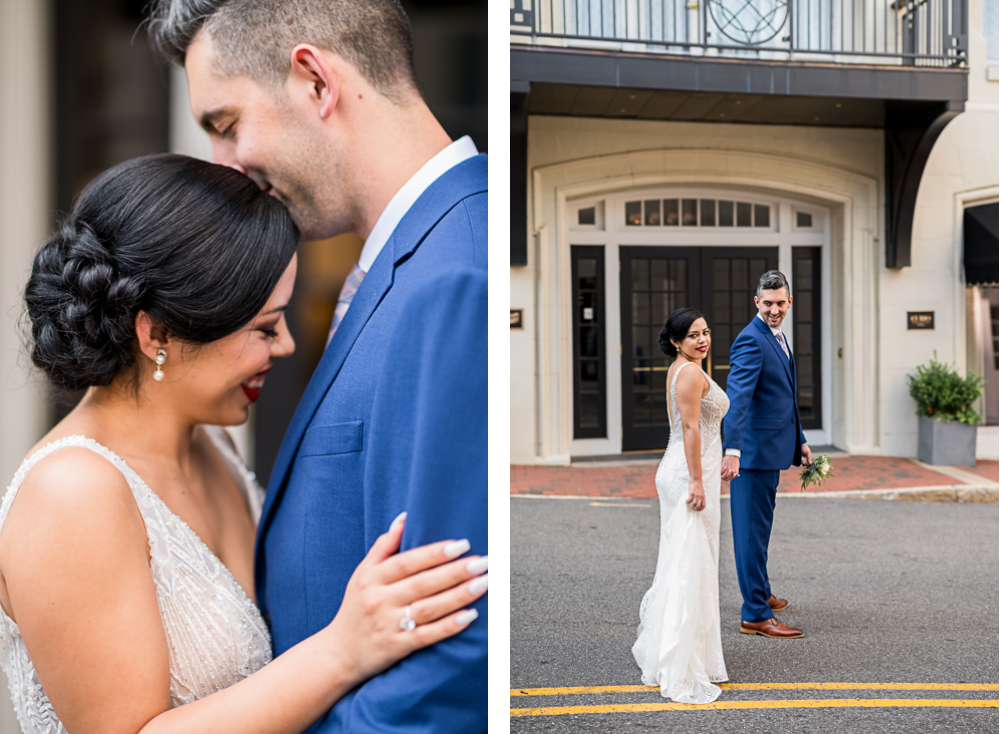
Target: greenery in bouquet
{"type": "Point", "coordinates": [817, 471]}
{"type": "Point", "coordinates": [943, 395]}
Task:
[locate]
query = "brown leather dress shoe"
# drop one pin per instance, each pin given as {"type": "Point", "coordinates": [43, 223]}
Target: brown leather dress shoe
{"type": "Point", "coordinates": [776, 604]}
{"type": "Point", "coordinates": [770, 628]}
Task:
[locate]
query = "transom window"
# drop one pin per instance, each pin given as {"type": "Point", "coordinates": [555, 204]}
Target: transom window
{"type": "Point", "coordinates": [682, 212]}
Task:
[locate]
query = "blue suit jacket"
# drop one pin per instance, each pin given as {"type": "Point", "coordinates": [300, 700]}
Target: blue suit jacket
{"type": "Point", "coordinates": [393, 419]}
{"type": "Point", "coordinates": [763, 418]}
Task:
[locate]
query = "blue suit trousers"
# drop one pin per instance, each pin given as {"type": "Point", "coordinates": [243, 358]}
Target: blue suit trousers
{"type": "Point", "coordinates": [751, 502]}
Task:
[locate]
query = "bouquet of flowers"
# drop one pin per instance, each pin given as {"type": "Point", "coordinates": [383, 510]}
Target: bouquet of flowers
{"type": "Point", "coordinates": [817, 471]}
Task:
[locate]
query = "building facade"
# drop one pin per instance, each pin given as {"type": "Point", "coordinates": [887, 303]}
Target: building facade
{"type": "Point", "coordinates": [666, 154]}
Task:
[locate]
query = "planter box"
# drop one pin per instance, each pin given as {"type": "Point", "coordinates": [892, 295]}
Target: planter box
{"type": "Point", "coordinates": [946, 444]}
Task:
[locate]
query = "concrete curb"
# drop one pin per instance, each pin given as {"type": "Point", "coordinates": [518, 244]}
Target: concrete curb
{"type": "Point", "coordinates": [987, 493]}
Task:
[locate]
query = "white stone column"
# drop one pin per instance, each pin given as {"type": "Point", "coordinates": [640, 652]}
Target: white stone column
{"type": "Point", "coordinates": [25, 203]}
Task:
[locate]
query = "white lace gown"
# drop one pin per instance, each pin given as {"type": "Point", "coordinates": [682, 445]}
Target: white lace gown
{"type": "Point", "coordinates": [214, 630]}
{"type": "Point", "coordinates": [679, 645]}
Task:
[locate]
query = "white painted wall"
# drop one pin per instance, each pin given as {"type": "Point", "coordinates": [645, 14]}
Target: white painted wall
{"type": "Point", "coordinates": [25, 201]}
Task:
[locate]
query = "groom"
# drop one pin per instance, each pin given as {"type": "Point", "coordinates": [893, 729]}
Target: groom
{"type": "Point", "coordinates": [316, 101]}
{"type": "Point", "coordinates": [763, 435]}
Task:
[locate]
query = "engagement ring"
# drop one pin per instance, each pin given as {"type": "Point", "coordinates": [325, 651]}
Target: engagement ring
{"type": "Point", "coordinates": [407, 623]}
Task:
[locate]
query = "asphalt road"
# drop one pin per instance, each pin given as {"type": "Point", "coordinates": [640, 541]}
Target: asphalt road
{"type": "Point", "coordinates": [885, 591]}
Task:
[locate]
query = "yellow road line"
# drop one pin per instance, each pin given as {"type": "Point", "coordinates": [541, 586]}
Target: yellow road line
{"type": "Point", "coordinates": [767, 687]}
{"type": "Point", "coordinates": [788, 704]}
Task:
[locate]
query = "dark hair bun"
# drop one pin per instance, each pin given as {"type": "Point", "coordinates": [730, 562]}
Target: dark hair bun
{"type": "Point", "coordinates": [81, 309]}
{"type": "Point", "coordinates": [197, 246]}
{"type": "Point", "coordinates": [676, 329]}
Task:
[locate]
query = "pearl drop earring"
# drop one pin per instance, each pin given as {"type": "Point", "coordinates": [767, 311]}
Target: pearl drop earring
{"type": "Point", "coordinates": [161, 357]}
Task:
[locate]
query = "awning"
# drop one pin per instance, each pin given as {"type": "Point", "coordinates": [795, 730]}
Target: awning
{"type": "Point", "coordinates": [981, 247]}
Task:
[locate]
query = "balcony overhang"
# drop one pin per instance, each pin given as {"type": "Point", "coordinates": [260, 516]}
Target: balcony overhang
{"type": "Point", "coordinates": [911, 104]}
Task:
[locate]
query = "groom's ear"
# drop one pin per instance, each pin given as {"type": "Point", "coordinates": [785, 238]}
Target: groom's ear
{"type": "Point", "coordinates": [312, 68]}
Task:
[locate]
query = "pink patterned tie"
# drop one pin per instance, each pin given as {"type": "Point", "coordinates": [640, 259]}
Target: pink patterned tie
{"type": "Point", "coordinates": [351, 286]}
{"type": "Point", "coordinates": [781, 341]}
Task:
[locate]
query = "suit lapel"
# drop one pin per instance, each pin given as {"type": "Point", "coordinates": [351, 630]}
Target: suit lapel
{"type": "Point", "coordinates": [773, 341]}
{"type": "Point", "coordinates": [465, 179]}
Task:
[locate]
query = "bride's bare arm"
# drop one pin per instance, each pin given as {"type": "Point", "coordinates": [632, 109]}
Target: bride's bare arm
{"type": "Point", "coordinates": [78, 584]}
{"type": "Point", "coordinates": [691, 388]}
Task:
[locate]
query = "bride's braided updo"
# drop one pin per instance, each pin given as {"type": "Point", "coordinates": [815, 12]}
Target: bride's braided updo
{"type": "Point", "coordinates": [199, 247]}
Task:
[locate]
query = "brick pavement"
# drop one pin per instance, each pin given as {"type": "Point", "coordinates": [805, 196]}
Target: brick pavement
{"type": "Point", "coordinates": [635, 480]}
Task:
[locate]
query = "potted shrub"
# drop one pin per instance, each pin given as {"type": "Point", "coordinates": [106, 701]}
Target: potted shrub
{"type": "Point", "coordinates": [947, 431]}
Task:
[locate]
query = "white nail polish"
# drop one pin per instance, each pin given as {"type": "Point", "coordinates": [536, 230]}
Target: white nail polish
{"type": "Point", "coordinates": [456, 548]}
{"type": "Point", "coordinates": [478, 565]}
{"type": "Point", "coordinates": [399, 518]}
{"type": "Point", "coordinates": [466, 617]}
{"type": "Point", "coordinates": [478, 586]}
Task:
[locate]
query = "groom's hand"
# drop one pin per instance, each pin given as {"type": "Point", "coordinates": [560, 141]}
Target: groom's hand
{"type": "Point", "coordinates": [730, 467]}
{"type": "Point", "coordinates": [807, 455]}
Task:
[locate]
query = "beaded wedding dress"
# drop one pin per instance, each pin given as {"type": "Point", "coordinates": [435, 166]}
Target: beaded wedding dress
{"type": "Point", "coordinates": [214, 630]}
{"type": "Point", "coordinates": [679, 645]}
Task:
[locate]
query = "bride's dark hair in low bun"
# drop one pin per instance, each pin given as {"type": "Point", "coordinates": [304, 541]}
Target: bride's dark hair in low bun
{"type": "Point", "coordinates": [197, 246]}
{"type": "Point", "coordinates": [676, 328]}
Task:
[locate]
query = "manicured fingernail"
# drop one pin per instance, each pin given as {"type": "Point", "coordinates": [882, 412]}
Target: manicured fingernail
{"type": "Point", "coordinates": [477, 565]}
{"type": "Point", "coordinates": [466, 617]}
{"type": "Point", "coordinates": [478, 586]}
{"type": "Point", "coordinates": [399, 519]}
{"type": "Point", "coordinates": [456, 548]}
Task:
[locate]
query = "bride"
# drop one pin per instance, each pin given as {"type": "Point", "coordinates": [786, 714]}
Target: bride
{"type": "Point", "coordinates": [126, 536]}
{"type": "Point", "coordinates": [679, 645]}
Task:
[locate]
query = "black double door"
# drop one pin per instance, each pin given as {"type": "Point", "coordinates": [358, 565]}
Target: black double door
{"type": "Point", "coordinates": [718, 281]}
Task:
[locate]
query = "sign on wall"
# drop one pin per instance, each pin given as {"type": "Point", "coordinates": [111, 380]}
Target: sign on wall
{"type": "Point", "coordinates": [919, 320]}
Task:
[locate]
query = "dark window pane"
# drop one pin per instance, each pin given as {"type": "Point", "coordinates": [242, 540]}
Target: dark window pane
{"type": "Point", "coordinates": [708, 212]}
{"type": "Point", "coordinates": [803, 337]}
{"type": "Point", "coordinates": [721, 341]}
{"type": "Point", "coordinates": [587, 216]}
{"type": "Point", "coordinates": [640, 408]}
{"type": "Point", "coordinates": [803, 273]}
{"type": "Point", "coordinates": [588, 341]}
{"type": "Point", "coordinates": [587, 272]}
{"type": "Point", "coordinates": [689, 209]}
{"type": "Point", "coordinates": [678, 299]}
{"type": "Point", "coordinates": [804, 370]}
{"type": "Point", "coordinates": [739, 271]}
{"type": "Point", "coordinates": [659, 380]}
{"type": "Point", "coordinates": [678, 274]}
{"type": "Point", "coordinates": [758, 266]}
{"type": "Point", "coordinates": [588, 370]}
{"type": "Point", "coordinates": [743, 212]}
{"type": "Point", "coordinates": [658, 274]}
{"type": "Point", "coordinates": [720, 306]}
{"type": "Point", "coordinates": [640, 274]}
{"type": "Point", "coordinates": [806, 407]}
{"type": "Point", "coordinates": [803, 219]}
{"type": "Point", "coordinates": [633, 213]}
{"type": "Point", "coordinates": [761, 215]}
{"type": "Point", "coordinates": [589, 410]}
{"type": "Point", "coordinates": [642, 341]}
{"type": "Point", "coordinates": [720, 273]}
{"type": "Point", "coordinates": [640, 308]}
{"type": "Point", "coordinates": [670, 216]}
{"type": "Point", "coordinates": [742, 308]}
{"type": "Point", "coordinates": [652, 212]}
{"type": "Point", "coordinates": [725, 214]}
{"type": "Point", "coordinates": [803, 301]}
{"type": "Point", "coordinates": [661, 303]}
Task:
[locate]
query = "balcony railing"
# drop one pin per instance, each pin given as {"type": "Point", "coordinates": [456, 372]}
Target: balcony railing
{"type": "Point", "coordinates": [925, 33]}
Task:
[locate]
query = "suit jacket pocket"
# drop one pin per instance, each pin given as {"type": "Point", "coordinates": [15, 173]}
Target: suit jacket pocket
{"type": "Point", "coordinates": [767, 424]}
{"type": "Point", "coordinates": [338, 438]}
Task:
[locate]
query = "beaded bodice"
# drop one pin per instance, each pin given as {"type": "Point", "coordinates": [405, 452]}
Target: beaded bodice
{"type": "Point", "coordinates": [214, 631]}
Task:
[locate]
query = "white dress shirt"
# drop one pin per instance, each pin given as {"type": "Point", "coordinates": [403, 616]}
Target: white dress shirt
{"type": "Point", "coordinates": [460, 150]}
{"type": "Point", "coordinates": [775, 331]}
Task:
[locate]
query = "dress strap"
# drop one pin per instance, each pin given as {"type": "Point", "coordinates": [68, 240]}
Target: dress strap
{"type": "Point", "coordinates": [134, 482]}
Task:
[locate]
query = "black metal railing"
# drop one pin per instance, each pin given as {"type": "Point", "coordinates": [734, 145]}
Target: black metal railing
{"type": "Point", "coordinates": [902, 32]}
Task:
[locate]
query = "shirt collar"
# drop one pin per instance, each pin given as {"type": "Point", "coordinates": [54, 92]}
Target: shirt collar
{"type": "Point", "coordinates": [773, 330]}
{"type": "Point", "coordinates": [460, 150]}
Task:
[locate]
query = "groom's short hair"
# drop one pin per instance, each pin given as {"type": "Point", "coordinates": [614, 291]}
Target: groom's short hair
{"type": "Point", "coordinates": [255, 38]}
{"type": "Point", "coordinates": [772, 280]}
